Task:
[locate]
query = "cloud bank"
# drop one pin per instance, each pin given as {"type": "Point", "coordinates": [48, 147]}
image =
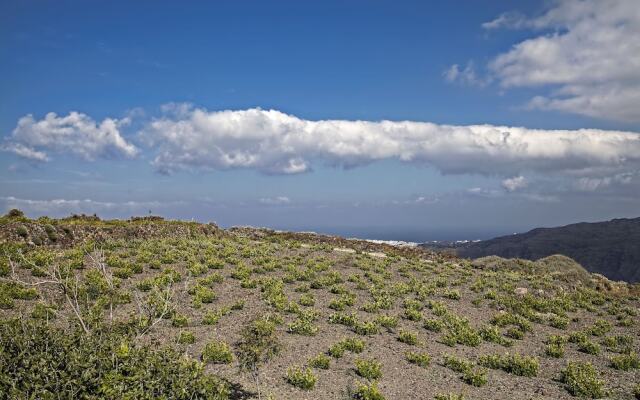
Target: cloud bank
{"type": "Point", "coordinates": [277, 143]}
{"type": "Point", "coordinates": [76, 134]}
{"type": "Point", "coordinates": [272, 142]}
{"type": "Point", "coordinates": [586, 51]}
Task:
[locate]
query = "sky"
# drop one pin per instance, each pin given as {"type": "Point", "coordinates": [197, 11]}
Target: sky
{"type": "Point", "coordinates": [403, 120]}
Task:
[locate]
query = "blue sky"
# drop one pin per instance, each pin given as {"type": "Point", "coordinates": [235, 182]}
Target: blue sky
{"type": "Point", "coordinates": [139, 90]}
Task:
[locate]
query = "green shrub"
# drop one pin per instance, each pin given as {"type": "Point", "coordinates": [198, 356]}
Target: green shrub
{"type": "Point", "coordinates": [337, 350]}
{"type": "Point", "coordinates": [179, 320]}
{"type": "Point", "coordinates": [202, 295]}
{"type": "Point", "coordinates": [303, 326]}
{"type": "Point", "coordinates": [555, 346]}
{"type": "Point", "coordinates": [258, 343]}
{"type": "Point", "coordinates": [636, 391]}
{"type": "Point", "coordinates": [582, 380]}
{"type": "Point", "coordinates": [457, 364]}
{"type": "Point", "coordinates": [186, 337]}
{"type": "Point", "coordinates": [475, 377]}
{"type": "Point", "coordinates": [589, 347]}
{"type": "Point", "coordinates": [512, 363]}
{"type": "Point", "coordinates": [307, 300]}
{"type": "Point", "coordinates": [600, 328]}
{"type": "Point", "coordinates": [22, 231]}
{"type": "Point", "coordinates": [367, 392]}
{"type": "Point", "coordinates": [350, 320]}
{"type": "Point", "coordinates": [626, 362]}
{"type": "Point", "coordinates": [217, 352]}
{"type": "Point", "coordinates": [420, 359]}
{"type": "Point", "coordinates": [559, 322]}
{"type": "Point", "coordinates": [433, 325]}
{"type": "Point", "coordinates": [369, 369]}
{"type": "Point", "coordinates": [353, 345]}
{"type": "Point", "coordinates": [387, 321]}
{"type": "Point", "coordinates": [320, 361]}
{"type": "Point", "coordinates": [492, 334]}
{"type": "Point", "coordinates": [43, 311]}
{"type": "Point", "coordinates": [366, 328]}
{"type": "Point", "coordinates": [449, 396]}
{"type": "Point", "coordinates": [407, 337]}
{"type": "Point", "coordinates": [302, 378]}
{"type": "Point", "coordinates": [412, 314]}
{"type": "Point", "coordinates": [44, 362]}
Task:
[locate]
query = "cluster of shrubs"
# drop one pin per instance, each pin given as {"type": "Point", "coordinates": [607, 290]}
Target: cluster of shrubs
{"type": "Point", "coordinates": [100, 365]}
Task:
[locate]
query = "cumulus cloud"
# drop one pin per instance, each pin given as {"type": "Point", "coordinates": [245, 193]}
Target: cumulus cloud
{"type": "Point", "coordinates": [515, 183]}
{"type": "Point", "coordinates": [274, 142]}
{"type": "Point", "coordinates": [75, 133]}
{"type": "Point", "coordinates": [587, 51]}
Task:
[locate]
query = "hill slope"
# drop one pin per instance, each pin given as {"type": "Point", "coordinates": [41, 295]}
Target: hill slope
{"type": "Point", "coordinates": [609, 248]}
{"type": "Point", "coordinates": [147, 309]}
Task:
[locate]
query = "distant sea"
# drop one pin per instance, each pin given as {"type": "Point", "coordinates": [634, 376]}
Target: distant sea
{"type": "Point", "coordinates": [404, 234]}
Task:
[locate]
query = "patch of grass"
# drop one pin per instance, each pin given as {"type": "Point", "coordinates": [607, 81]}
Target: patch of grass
{"type": "Point", "coordinates": [302, 378]}
{"type": "Point", "coordinates": [582, 380]}
{"type": "Point", "coordinates": [410, 338]}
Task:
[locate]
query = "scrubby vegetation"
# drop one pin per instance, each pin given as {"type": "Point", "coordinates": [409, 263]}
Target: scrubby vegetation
{"type": "Point", "coordinates": [191, 311]}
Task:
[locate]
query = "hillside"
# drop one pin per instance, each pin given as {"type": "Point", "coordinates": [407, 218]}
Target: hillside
{"type": "Point", "coordinates": [609, 248]}
{"type": "Point", "coordinates": [148, 308]}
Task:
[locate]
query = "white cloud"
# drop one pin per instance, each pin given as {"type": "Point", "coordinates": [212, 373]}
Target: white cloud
{"type": "Point", "coordinates": [466, 76]}
{"type": "Point", "coordinates": [591, 184]}
{"type": "Point", "coordinates": [62, 207]}
{"type": "Point", "coordinates": [75, 133]}
{"type": "Point", "coordinates": [515, 183]}
{"type": "Point", "coordinates": [26, 152]}
{"type": "Point", "coordinates": [274, 142]}
{"type": "Point", "coordinates": [588, 51]}
{"type": "Point", "coordinates": [272, 201]}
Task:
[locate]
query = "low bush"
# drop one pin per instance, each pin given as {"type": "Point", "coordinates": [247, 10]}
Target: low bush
{"type": "Point", "coordinates": [320, 361]}
{"type": "Point", "coordinates": [367, 392]}
{"type": "Point", "coordinates": [625, 362]}
{"type": "Point", "coordinates": [420, 359]}
{"type": "Point", "coordinates": [407, 337]}
{"type": "Point", "coordinates": [512, 363]}
{"type": "Point", "coordinates": [44, 362]}
{"type": "Point", "coordinates": [186, 337]}
{"type": "Point", "coordinates": [582, 380]}
{"type": "Point", "coordinates": [457, 364]}
{"type": "Point", "coordinates": [369, 369]}
{"type": "Point", "coordinates": [302, 378]}
{"type": "Point", "coordinates": [217, 352]}
{"type": "Point", "coordinates": [475, 377]}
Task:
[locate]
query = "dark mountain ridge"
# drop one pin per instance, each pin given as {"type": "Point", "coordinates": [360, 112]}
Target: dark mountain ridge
{"type": "Point", "coordinates": [610, 248]}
